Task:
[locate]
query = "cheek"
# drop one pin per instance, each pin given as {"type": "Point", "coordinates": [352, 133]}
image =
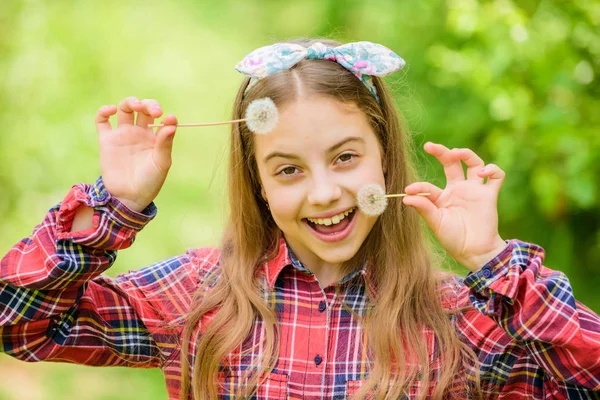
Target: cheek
{"type": "Point", "coordinates": [278, 197]}
{"type": "Point", "coordinates": [369, 172]}
{"type": "Point", "coordinates": [285, 205]}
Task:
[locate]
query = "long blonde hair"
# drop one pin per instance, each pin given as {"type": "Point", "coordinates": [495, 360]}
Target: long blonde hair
{"type": "Point", "coordinates": [399, 254]}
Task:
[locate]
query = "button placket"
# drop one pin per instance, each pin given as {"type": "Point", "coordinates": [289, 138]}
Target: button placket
{"type": "Point", "coordinates": [319, 359]}
{"type": "Point", "coordinates": [323, 308]}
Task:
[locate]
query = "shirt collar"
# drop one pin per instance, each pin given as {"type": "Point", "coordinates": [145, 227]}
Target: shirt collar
{"type": "Point", "coordinates": [285, 257]}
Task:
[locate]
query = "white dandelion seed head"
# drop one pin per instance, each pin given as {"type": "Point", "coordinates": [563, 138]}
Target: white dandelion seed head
{"type": "Point", "coordinates": [262, 116]}
{"type": "Point", "coordinates": [370, 199]}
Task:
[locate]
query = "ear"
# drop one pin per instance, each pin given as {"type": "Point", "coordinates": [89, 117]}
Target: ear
{"type": "Point", "coordinates": [263, 193]}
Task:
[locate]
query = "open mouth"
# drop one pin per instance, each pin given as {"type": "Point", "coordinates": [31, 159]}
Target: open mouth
{"type": "Point", "coordinates": [334, 225]}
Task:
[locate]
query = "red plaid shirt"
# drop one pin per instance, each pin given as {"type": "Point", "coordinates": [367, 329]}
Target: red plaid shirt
{"type": "Point", "coordinates": [532, 338]}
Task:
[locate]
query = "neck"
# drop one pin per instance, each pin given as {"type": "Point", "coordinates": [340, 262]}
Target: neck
{"type": "Point", "coordinates": [325, 272]}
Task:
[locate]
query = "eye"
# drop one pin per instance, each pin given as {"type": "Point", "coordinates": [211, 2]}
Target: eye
{"type": "Point", "coordinates": [346, 157]}
{"type": "Point", "coordinates": [287, 171]}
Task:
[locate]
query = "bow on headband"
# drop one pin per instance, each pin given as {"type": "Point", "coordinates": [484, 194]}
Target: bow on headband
{"type": "Point", "coordinates": [363, 59]}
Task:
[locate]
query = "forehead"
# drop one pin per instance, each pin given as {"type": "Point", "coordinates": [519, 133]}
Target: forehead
{"type": "Point", "coordinates": [312, 124]}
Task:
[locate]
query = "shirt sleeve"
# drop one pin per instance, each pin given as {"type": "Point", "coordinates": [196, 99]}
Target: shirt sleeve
{"type": "Point", "coordinates": [56, 306]}
{"type": "Point", "coordinates": [535, 306]}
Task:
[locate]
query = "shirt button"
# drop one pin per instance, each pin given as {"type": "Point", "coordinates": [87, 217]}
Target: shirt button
{"type": "Point", "coordinates": [486, 272]}
{"type": "Point", "coordinates": [318, 359]}
{"type": "Point", "coordinates": [322, 306]}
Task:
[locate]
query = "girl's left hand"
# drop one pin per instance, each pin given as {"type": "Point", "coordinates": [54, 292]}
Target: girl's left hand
{"type": "Point", "coordinates": [463, 216]}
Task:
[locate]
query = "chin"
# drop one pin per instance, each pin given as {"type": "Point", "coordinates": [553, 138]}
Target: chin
{"type": "Point", "coordinates": [338, 255]}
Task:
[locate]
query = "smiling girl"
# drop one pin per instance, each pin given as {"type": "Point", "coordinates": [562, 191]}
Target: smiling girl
{"type": "Point", "coordinates": [307, 297]}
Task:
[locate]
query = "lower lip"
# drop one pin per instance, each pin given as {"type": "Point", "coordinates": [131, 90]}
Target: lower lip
{"type": "Point", "coordinates": [334, 237]}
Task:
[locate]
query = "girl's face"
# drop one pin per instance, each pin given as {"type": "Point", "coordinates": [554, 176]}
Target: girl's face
{"type": "Point", "coordinates": [311, 167]}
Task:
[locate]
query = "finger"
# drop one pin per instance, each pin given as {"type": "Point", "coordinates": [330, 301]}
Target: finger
{"type": "Point", "coordinates": [127, 109]}
{"type": "Point", "coordinates": [473, 162]}
{"type": "Point", "coordinates": [170, 119]}
{"type": "Point", "coordinates": [149, 112]}
{"type": "Point", "coordinates": [494, 174]}
{"type": "Point", "coordinates": [102, 119]}
{"type": "Point", "coordinates": [452, 166]}
{"type": "Point", "coordinates": [425, 208]}
{"type": "Point", "coordinates": [424, 187]}
{"type": "Point", "coordinates": [164, 141]}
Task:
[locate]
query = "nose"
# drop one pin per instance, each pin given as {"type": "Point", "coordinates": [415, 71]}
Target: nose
{"type": "Point", "coordinates": [324, 191]}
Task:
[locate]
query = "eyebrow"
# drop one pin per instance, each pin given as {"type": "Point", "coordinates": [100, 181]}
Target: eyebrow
{"type": "Point", "coordinates": [329, 150]}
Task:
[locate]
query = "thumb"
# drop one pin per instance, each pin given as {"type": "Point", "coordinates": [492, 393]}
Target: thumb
{"type": "Point", "coordinates": [164, 144]}
{"type": "Point", "coordinates": [425, 208]}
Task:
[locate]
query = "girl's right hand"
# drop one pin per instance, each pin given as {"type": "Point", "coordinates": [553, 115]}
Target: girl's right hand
{"type": "Point", "coordinates": [134, 161]}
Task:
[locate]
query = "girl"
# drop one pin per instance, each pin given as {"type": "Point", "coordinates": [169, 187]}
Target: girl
{"type": "Point", "coordinates": [307, 297]}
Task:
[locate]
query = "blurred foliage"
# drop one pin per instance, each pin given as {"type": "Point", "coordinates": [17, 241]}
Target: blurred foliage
{"type": "Point", "coordinates": [515, 81]}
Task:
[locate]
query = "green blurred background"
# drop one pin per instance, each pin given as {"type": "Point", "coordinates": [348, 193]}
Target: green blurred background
{"type": "Point", "coordinates": [515, 81]}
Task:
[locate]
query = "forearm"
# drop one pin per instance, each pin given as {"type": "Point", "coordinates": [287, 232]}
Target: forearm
{"type": "Point", "coordinates": [83, 219]}
{"type": "Point", "coordinates": [61, 254]}
{"type": "Point", "coordinates": [535, 306]}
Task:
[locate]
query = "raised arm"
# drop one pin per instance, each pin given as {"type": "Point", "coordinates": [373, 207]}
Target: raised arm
{"type": "Point", "coordinates": [529, 305]}
{"type": "Point", "coordinates": [54, 303]}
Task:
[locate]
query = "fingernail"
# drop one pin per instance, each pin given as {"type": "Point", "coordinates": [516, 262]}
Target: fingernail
{"type": "Point", "coordinates": [156, 108]}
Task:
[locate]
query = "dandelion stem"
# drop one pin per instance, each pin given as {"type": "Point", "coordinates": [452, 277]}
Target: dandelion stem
{"type": "Point", "coordinates": [401, 195]}
{"type": "Point", "coordinates": [201, 124]}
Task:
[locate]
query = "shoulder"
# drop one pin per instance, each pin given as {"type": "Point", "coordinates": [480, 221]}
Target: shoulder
{"type": "Point", "coordinates": [205, 260]}
{"type": "Point", "coordinates": [193, 264]}
{"type": "Point", "coordinates": [176, 277]}
{"type": "Point", "coordinates": [452, 291]}
{"type": "Point", "coordinates": [168, 286]}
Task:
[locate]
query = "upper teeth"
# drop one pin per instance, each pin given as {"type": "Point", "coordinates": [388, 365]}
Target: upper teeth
{"type": "Point", "coordinates": [333, 220]}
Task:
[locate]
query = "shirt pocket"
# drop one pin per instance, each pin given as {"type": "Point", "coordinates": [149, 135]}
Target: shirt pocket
{"type": "Point", "coordinates": [352, 388]}
{"type": "Point", "coordinates": [275, 387]}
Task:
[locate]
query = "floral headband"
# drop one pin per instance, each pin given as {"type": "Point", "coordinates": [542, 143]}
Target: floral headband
{"type": "Point", "coordinates": [363, 59]}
